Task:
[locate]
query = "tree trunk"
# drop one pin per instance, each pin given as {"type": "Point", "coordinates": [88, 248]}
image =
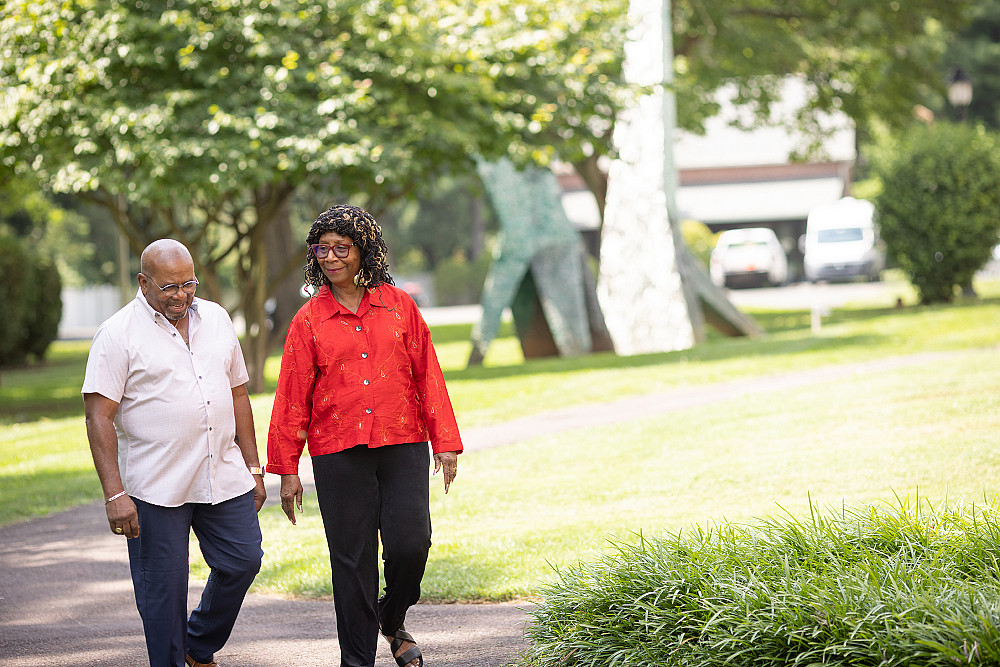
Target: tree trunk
{"type": "Point", "coordinates": [268, 262]}
{"type": "Point", "coordinates": [285, 276]}
{"type": "Point", "coordinates": [596, 181]}
{"type": "Point", "coordinates": [269, 240]}
{"type": "Point", "coordinates": [255, 313]}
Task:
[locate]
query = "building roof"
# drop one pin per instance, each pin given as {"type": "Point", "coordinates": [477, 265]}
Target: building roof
{"type": "Point", "coordinates": [764, 201]}
{"type": "Point", "coordinates": [734, 176]}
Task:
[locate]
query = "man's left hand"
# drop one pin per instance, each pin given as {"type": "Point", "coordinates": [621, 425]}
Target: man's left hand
{"type": "Point", "coordinates": [259, 492]}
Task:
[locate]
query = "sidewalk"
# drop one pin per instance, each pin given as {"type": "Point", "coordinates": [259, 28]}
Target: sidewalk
{"type": "Point", "coordinates": [66, 601]}
{"type": "Point", "coordinates": [66, 597]}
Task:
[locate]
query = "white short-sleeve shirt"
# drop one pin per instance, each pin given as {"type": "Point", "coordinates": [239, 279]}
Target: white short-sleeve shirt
{"type": "Point", "coordinates": [175, 421]}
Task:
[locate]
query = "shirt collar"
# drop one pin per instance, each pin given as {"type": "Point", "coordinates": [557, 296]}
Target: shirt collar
{"type": "Point", "coordinates": [332, 307]}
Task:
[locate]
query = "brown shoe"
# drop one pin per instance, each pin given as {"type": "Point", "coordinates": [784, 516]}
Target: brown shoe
{"type": "Point", "coordinates": [191, 662]}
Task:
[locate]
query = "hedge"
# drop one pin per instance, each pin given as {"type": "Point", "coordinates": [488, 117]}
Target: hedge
{"type": "Point", "coordinates": [938, 209]}
{"type": "Point", "coordinates": [879, 585]}
{"type": "Point", "coordinates": [31, 293]}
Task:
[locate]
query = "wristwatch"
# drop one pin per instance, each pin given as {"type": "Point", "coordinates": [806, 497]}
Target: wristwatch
{"type": "Point", "coordinates": [256, 470]}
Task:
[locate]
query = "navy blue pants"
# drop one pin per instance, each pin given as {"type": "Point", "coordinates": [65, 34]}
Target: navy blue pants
{"type": "Point", "coordinates": [364, 493]}
{"type": "Point", "coordinates": [230, 541]}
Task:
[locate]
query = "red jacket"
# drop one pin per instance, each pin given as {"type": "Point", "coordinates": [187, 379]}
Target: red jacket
{"type": "Point", "coordinates": [347, 379]}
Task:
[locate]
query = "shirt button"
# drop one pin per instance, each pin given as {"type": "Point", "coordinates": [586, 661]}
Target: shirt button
{"type": "Point", "coordinates": [367, 382]}
{"type": "Point", "coordinates": [368, 410]}
{"type": "Point", "coordinates": [364, 355]}
{"type": "Point", "coordinates": [357, 328]}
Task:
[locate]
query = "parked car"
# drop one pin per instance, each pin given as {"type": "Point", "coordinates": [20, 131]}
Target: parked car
{"type": "Point", "coordinates": [748, 257]}
{"type": "Point", "coordinates": [842, 242]}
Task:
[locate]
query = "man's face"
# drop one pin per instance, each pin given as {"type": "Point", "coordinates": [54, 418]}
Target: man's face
{"type": "Point", "coordinates": [164, 275]}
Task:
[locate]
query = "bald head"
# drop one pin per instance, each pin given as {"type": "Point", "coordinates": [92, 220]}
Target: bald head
{"type": "Point", "coordinates": [161, 253]}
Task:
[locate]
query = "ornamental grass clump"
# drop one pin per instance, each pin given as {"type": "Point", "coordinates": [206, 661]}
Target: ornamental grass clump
{"type": "Point", "coordinates": [880, 585]}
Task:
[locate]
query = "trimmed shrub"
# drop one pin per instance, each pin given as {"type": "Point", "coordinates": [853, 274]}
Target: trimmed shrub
{"type": "Point", "coordinates": [875, 586]}
{"type": "Point", "coordinates": [42, 324]}
{"type": "Point", "coordinates": [31, 294]}
{"type": "Point", "coordinates": [14, 265]}
{"type": "Point", "coordinates": [939, 209]}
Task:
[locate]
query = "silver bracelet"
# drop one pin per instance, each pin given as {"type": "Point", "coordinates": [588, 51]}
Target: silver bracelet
{"type": "Point", "coordinates": [115, 497]}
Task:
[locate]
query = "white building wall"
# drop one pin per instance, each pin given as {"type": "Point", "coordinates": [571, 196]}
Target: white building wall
{"type": "Point", "coordinates": [724, 145]}
{"type": "Point", "coordinates": [85, 308]}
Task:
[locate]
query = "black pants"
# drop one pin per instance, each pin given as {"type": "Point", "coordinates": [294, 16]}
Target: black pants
{"type": "Point", "coordinates": [364, 492]}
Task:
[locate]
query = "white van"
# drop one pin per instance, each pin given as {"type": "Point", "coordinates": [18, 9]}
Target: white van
{"type": "Point", "coordinates": [842, 241]}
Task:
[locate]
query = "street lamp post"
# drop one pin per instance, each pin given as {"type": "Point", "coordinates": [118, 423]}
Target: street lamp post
{"type": "Point", "coordinates": [959, 91]}
{"type": "Point", "coordinates": [960, 97]}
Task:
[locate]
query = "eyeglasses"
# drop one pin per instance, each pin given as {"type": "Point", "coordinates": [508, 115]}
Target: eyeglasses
{"type": "Point", "coordinates": [171, 290]}
{"type": "Point", "coordinates": [341, 250]}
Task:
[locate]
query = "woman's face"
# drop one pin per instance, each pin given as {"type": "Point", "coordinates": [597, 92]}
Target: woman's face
{"type": "Point", "coordinates": [340, 272]}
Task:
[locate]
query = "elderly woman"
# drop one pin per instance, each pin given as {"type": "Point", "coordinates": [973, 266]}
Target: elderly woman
{"type": "Point", "coordinates": [361, 383]}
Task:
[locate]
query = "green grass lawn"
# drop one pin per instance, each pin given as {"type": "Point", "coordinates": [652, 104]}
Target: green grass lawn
{"type": "Point", "coordinates": [517, 511]}
{"type": "Point", "coordinates": [45, 391]}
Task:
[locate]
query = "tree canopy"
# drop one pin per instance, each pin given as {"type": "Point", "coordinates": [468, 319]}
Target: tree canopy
{"type": "Point", "coordinates": [201, 119]}
{"type": "Point", "coordinates": [869, 60]}
{"type": "Point", "coordinates": [204, 120]}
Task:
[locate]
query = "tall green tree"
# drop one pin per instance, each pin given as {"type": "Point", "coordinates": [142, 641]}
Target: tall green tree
{"type": "Point", "coordinates": [202, 120]}
{"type": "Point", "coordinates": [208, 120]}
{"type": "Point", "coordinates": [868, 60]}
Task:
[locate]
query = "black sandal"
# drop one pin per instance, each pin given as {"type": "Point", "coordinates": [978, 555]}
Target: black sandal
{"type": "Point", "coordinates": [411, 655]}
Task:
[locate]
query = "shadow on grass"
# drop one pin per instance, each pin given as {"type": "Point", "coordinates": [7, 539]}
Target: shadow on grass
{"type": "Point", "coordinates": [20, 412]}
{"type": "Point", "coordinates": [474, 578]}
{"type": "Point", "coordinates": [42, 492]}
{"type": "Point", "coordinates": [732, 348]}
{"type": "Point", "coordinates": [718, 347]}
{"type": "Point", "coordinates": [48, 389]}
{"type": "Point", "coordinates": [51, 389]}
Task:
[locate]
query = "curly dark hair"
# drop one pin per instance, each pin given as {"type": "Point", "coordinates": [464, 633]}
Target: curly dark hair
{"type": "Point", "coordinates": [357, 224]}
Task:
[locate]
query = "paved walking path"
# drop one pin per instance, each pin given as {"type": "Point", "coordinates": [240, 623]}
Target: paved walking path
{"type": "Point", "coordinates": [66, 596]}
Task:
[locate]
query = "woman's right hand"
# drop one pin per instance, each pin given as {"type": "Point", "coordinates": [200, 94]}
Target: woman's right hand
{"type": "Point", "coordinates": [291, 495]}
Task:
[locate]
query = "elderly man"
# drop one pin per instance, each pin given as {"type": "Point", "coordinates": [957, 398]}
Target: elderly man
{"type": "Point", "coordinates": [172, 436]}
